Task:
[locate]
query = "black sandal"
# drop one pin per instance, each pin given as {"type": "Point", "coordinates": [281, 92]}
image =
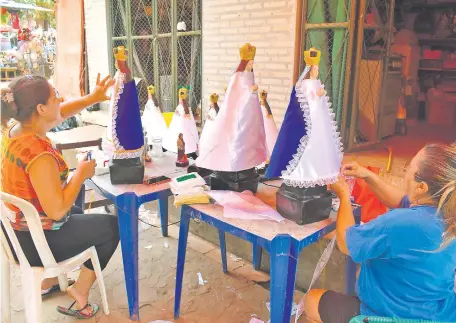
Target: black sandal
{"type": "Point", "coordinates": [78, 313]}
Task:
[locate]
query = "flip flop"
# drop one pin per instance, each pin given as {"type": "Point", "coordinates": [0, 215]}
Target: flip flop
{"type": "Point", "coordinates": [54, 288]}
{"type": "Point", "coordinates": [78, 313]}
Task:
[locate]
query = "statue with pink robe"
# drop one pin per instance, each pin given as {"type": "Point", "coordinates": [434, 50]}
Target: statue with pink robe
{"type": "Point", "coordinates": [237, 140]}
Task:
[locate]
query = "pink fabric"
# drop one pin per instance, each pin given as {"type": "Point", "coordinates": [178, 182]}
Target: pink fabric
{"type": "Point", "coordinates": [244, 206]}
{"type": "Point", "coordinates": [237, 139]}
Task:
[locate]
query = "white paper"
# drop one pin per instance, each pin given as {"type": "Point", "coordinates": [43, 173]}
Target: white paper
{"type": "Point", "coordinates": [244, 206]}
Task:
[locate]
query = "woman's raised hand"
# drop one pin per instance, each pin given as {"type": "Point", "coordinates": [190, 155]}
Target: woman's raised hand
{"type": "Point", "coordinates": [99, 93]}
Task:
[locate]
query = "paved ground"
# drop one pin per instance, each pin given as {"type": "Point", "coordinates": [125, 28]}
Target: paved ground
{"type": "Point", "coordinates": [224, 298]}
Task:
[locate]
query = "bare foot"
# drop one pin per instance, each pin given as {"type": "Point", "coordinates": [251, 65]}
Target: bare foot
{"type": "Point", "coordinates": [80, 298]}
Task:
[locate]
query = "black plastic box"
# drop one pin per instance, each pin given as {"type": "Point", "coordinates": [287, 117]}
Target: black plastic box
{"type": "Point", "coordinates": [304, 205]}
{"type": "Point", "coordinates": [246, 180]}
{"type": "Point", "coordinates": [126, 171]}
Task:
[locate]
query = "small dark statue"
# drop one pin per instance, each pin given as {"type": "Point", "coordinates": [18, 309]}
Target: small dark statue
{"type": "Point", "coordinates": [182, 160]}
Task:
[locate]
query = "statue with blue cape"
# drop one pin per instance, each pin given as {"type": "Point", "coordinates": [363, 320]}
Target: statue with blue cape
{"type": "Point", "coordinates": [308, 152]}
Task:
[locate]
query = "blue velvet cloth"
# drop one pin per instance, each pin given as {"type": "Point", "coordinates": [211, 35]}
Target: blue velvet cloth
{"type": "Point", "coordinates": [292, 130]}
{"type": "Point", "coordinates": [128, 121]}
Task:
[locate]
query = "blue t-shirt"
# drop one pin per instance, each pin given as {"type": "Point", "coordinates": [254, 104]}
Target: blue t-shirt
{"type": "Point", "coordinates": [402, 275]}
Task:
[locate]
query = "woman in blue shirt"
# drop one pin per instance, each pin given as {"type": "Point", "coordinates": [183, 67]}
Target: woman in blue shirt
{"type": "Point", "coordinates": [408, 255]}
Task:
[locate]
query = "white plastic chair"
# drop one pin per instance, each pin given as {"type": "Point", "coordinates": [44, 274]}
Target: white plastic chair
{"type": "Point", "coordinates": [32, 276]}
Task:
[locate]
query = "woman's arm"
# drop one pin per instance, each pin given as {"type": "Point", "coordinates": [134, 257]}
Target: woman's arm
{"type": "Point", "coordinates": [73, 107]}
{"type": "Point", "coordinates": [388, 194]}
{"type": "Point", "coordinates": [45, 178]}
{"type": "Point", "coordinates": [345, 220]}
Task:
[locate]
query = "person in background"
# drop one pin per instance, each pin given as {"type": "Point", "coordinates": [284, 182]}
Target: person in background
{"type": "Point", "coordinates": [34, 171]}
{"type": "Point", "coordinates": [407, 255]}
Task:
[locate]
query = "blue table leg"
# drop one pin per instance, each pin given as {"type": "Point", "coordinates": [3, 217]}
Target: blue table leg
{"type": "Point", "coordinates": [284, 262]}
{"type": "Point", "coordinates": [127, 213]}
{"type": "Point", "coordinates": [223, 250]}
{"type": "Point", "coordinates": [350, 267]}
{"type": "Point", "coordinates": [181, 251]}
{"type": "Point", "coordinates": [163, 210]}
{"type": "Point", "coordinates": [257, 255]}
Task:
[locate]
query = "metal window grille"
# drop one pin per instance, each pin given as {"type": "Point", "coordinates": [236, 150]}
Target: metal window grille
{"type": "Point", "coordinates": [354, 38]}
{"type": "Point", "coordinates": [164, 38]}
{"type": "Point", "coordinates": [328, 26]}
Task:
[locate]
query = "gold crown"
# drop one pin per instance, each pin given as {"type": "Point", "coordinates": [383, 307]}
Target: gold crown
{"type": "Point", "coordinates": [120, 53]}
{"type": "Point", "coordinates": [312, 60]}
{"type": "Point", "coordinates": [263, 94]}
{"type": "Point", "coordinates": [151, 89]}
{"type": "Point", "coordinates": [247, 52]}
{"type": "Point", "coordinates": [214, 98]}
{"type": "Point", "coordinates": [183, 93]}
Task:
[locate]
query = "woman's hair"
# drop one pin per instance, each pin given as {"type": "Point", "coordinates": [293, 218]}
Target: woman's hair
{"type": "Point", "coordinates": [242, 65]}
{"type": "Point", "coordinates": [438, 170]}
{"type": "Point", "coordinates": [20, 98]}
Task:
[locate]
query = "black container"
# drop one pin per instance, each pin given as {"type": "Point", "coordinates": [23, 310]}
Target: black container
{"type": "Point", "coordinates": [126, 171]}
{"type": "Point", "coordinates": [246, 180]}
{"type": "Point", "coordinates": [304, 205]}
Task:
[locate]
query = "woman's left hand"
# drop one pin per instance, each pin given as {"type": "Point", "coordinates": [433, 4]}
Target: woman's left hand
{"type": "Point", "coordinates": [99, 93]}
{"type": "Point", "coordinates": [340, 188]}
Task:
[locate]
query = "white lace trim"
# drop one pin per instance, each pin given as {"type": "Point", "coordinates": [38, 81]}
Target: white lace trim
{"type": "Point", "coordinates": [114, 148]}
{"type": "Point", "coordinates": [323, 181]}
{"type": "Point", "coordinates": [331, 179]}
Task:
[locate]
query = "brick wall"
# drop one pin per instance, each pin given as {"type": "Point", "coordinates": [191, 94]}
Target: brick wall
{"type": "Point", "coordinates": [269, 26]}
{"type": "Point", "coordinates": [96, 38]}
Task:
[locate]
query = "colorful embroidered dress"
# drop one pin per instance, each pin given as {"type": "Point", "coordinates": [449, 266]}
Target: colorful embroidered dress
{"type": "Point", "coordinates": [17, 156]}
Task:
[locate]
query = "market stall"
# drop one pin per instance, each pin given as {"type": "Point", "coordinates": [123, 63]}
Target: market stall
{"type": "Point", "coordinates": [27, 45]}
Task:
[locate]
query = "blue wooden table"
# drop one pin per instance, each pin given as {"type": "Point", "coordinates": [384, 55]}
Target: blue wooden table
{"type": "Point", "coordinates": [128, 199]}
{"type": "Point", "coordinates": [284, 241]}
